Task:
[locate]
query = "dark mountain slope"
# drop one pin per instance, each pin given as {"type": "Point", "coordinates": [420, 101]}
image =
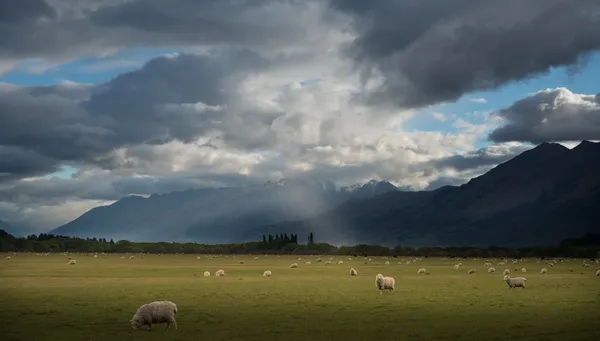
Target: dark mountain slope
{"type": "Point", "coordinates": [544, 195]}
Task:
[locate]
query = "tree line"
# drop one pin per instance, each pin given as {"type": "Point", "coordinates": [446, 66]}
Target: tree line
{"type": "Point", "coordinates": [587, 246]}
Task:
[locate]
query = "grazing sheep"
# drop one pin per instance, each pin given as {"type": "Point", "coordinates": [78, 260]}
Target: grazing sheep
{"type": "Point", "coordinates": [299, 258]}
{"type": "Point", "coordinates": [340, 262]}
{"type": "Point", "coordinates": [308, 263]}
{"type": "Point", "coordinates": [586, 265]}
{"type": "Point", "coordinates": [456, 266]}
{"type": "Point", "coordinates": [551, 265]}
{"type": "Point", "coordinates": [490, 270]}
{"type": "Point", "coordinates": [471, 271]}
{"type": "Point", "coordinates": [506, 272]}
{"type": "Point", "coordinates": [267, 273]}
{"type": "Point", "coordinates": [523, 270]}
{"type": "Point", "coordinates": [255, 258]}
{"type": "Point", "coordinates": [198, 257]}
{"type": "Point", "coordinates": [131, 257]}
{"type": "Point", "coordinates": [155, 313]}
{"type": "Point", "coordinates": [241, 262]}
{"type": "Point", "coordinates": [487, 265]}
{"type": "Point", "coordinates": [293, 265]}
{"type": "Point", "coordinates": [421, 271]}
{"type": "Point", "coordinates": [384, 283]}
{"type": "Point", "coordinates": [220, 273]}
{"type": "Point", "coordinates": [515, 282]}
{"type": "Point", "coordinates": [327, 262]}
{"type": "Point", "coordinates": [95, 256]}
{"type": "Point", "coordinates": [543, 271]}
{"type": "Point", "coordinates": [72, 262]}
{"type": "Point", "coordinates": [387, 262]}
{"type": "Point", "coordinates": [353, 272]}
{"type": "Point", "coordinates": [206, 274]}
{"type": "Point", "coordinates": [319, 260]}
{"type": "Point", "coordinates": [598, 273]}
{"type": "Point", "coordinates": [8, 258]}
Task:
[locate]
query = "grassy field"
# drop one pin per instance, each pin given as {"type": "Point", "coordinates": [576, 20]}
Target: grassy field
{"type": "Point", "coordinates": [43, 298]}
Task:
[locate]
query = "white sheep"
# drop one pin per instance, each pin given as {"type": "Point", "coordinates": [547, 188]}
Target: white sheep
{"type": "Point", "coordinates": [206, 274]}
{"type": "Point", "coordinates": [384, 283]}
{"type": "Point", "coordinates": [421, 271]}
{"type": "Point", "coordinates": [487, 265]}
{"type": "Point", "coordinates": [72, 262]}
{"type": "Point", "coordinates": [198, 257]}
{"type": "Point", "coordinates": [492, 269]}
{"type": "Point", "coordinates": [8, 258]}
{"type": "Point", "coordinates": [471, 271]}
{"type": "Point", "coordinates": [95, 256]}
{"type": "Point", "coordinates": [523, 270]}
{"type": "Point", "coordinates": [293, 265]}
{"type": "Point", "coordinates": [506, 272]}
{"type": "Point", "coordinates": [308, 263]}
{"type": "Point", "coordinates": [267, 273]}
{"type": "Point", "coordinates": [340, 262]}
{"type": "Point", "coordinates": [327, 262]}
{"type": "Point", "coordinates": [598, 273]}
{"type": "Point", "coordinates": [155, 313]}
{"type": "Point", "coordinates": [255, 258]}
{"type": "Point", "coordinates": [456, 266]}
{"type": "Point", "coordinates": [515, 282]}
{"type": "Point", "coordinates": [220, 273]}
{"type": "Point", "coordinates": [241, 262]}
{"type": "Point", "coordinates": [131, 257]}
{"type": "Point", "coordinates": [543, 271]}
{"type": "Point", "coordinates": [353, 272]}
{"type": "Point", "coordinates": [387, 262]}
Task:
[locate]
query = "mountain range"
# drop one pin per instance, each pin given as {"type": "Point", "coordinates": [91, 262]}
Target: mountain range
{"type": "Point", "coordinates": [216, 215]}
{"type": "Point", "coordinates": [542, 196]}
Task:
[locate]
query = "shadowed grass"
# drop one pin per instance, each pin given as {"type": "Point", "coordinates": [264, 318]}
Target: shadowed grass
{"type": "Point", "coordinates": [43, 298]}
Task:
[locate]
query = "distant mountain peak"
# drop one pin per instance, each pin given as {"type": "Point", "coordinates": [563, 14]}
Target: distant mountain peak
{"type": "Point", "coordinates": [587, 145]}
{"type": "Point", "coordinates": [550, 146]}
{"type": "Point", "coordinates": [371, 187]}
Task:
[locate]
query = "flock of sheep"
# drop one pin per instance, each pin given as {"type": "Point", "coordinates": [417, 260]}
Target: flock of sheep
{"type": "Point", "coordinates": [158, 312]}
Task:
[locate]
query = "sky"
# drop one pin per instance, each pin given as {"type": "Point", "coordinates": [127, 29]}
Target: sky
{"type": "Point", "coordinates": [100, 99]}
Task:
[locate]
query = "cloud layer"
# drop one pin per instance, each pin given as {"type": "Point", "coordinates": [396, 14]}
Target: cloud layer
{"type": "Point", "coordinates": [269, 89]}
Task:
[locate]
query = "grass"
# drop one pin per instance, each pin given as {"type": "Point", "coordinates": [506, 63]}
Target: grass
{"type": "Point", "coordinates": [43, 298]}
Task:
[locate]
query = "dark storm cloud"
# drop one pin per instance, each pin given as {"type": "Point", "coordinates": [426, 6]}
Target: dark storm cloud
{"type": "Point", "coordinates": [208, 21]}
{"type": "Point", "coordinates": [16, 162]}
{"type": "Point", "coordinates": [171, 98]}
{"type": "Point", "coordinates": [24, 10]}
{"type": "Point", "coordinates": [550, 115]}
{"type": "Point", "coordinates": [73, 29]}
{"type": "Point", "coordinates": [431, 51]}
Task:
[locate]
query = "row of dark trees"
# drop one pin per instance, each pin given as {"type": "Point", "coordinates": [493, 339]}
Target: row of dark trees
{"type": "Point", "coordinates": [585, 247]}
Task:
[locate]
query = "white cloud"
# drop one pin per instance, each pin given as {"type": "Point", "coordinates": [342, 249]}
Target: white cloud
{"type": "Point", "coordinates": [477, 100]}
{"type": "Point", "coordinates": [439, 116]}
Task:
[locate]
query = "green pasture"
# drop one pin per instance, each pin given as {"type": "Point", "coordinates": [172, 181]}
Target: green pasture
{"type": "Point", "coordinates": [44, 298]}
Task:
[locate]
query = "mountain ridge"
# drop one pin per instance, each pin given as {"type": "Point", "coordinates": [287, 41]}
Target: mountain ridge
{"type": "Point", "coordinates": [212, 215]}
{"type": "Point", "coordinates": [535, 195]}
{"type": "Point", "coordinates": [547, 181]}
